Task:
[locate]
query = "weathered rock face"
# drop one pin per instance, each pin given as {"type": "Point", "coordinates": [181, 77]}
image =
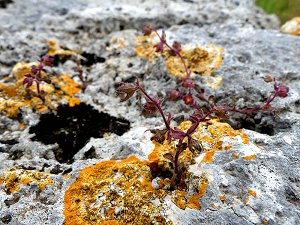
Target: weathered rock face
{"type": "Point", "coordinates": [249, 183]}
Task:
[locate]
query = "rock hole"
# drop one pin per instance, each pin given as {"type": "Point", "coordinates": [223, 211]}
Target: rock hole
{"type": "Point", "coordinates": [91, 59]}
{"type": "Point", "coordinates": [72, 127]}
{"type": "Point", "coordinates": [12, 200]}
{"type": "Point", "coordinates": [90, 154]}
{"type": "Point", "coordinates": [121, 27]}
{"type": "Point", "coordinates": [6, 219]}
{"type": "Point", "coordinates": [4, 3]}
{"type": "Point", "coordinates": [292, 196]}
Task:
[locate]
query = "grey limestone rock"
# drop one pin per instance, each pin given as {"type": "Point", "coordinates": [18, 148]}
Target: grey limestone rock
{"type": "Point", "coordinates": [253, 47]}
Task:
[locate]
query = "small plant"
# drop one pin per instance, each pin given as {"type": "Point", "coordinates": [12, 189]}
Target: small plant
{"type": "Point", "coordinates": [36, 76]}
{"type": "Point", "coordinates": [80, 74]}
{"type": "Point", "coordinates": [190, 94]}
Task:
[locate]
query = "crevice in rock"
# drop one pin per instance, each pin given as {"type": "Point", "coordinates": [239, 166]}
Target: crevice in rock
{"type": "Point", "coordinates": [90, 154]}
{"type": "Point", "coordinates": [72, 127]}
{"type": "Point", "coordinates": [91, 59]}
{"type": "Point", "coordinates": [265, 124]}
{"type": "Point", "coordinates": [6, 219]}
{"type": "Point", "coordinates": [4, 3]}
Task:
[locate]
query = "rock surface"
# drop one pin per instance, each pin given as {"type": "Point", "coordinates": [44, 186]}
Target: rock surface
{"type": "Point", "coordinates": [264, 190]}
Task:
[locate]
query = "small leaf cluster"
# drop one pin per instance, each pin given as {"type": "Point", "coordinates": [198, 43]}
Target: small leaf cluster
{"type": "Point", "coordinates": [35, 76]}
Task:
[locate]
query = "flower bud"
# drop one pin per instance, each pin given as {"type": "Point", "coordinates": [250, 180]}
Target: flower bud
{"type": "Point", "coordinates": [126, 90]}
{"type": "Point", "coordinates": [47, 60]}
{"type": "Point", "coordinates": [159, 47]}
{"type": "Point", "coordinates": [173, 95]}
{"type": "Point", "coordinates": [147, 30]}
{"type": "Point", "coordinates": [187, 83]}
{"type": "Point", "coordinates": [176, 48]}
{"type": "Point", "coordinates": [188, 99]}
{"type": "Point", "coordinates": [282, 91]}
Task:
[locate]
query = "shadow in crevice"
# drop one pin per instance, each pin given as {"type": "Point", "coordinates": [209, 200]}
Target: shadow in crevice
{"type": "Point", "coordinates": [72, 127]}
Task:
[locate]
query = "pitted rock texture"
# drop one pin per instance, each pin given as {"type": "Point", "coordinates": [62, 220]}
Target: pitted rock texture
{"type": "Point", "coordinates": [264, 190]}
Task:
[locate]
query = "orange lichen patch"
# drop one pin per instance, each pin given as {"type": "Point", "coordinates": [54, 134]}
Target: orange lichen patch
{"type": "Point", "coordinates": [114, 191]}
{"type": "Point", "coordinates": [183, 201]}
{"type": "Point", "coordinates": [56, 49]}
{"type": "Point", "coordinates": [217, 146]}
{"type": "Point", "coordinates": [208, 158]}
{"type": "Point", "coordinates": [235, 155]}
{"type": "Point", "coordinates": [66, 176]}
{"type": "Point", "coordinates": [227, 147]}
{"type": "Point", "coordinates": [212, 134]}
{"type": "Point", "coordinates": [264, 221]}
{"type": "Point", "coordinates": [246, 200]}
{"type": "Point", "coordinates": [292, 26]}
{"type": "Point", "coordinates": [251, 192]}
{"type": "Point", "coordinates": [110, 222]}
{"type": "Point", "coordinates": [245, 138]}
{"type": "Point", "coordinates": [121, 192]}
{"type": "Point", "coordinates": [179, 199]}
{"type": "Point", "coordinates": [193, 201]}
{"type": "Point", "coordinates": [22, 126]}
{"type": "Point", "coordinates": [68, 89]}
{"type": "Point", "coordinates": [14, 95]}
{"type": "Point", "coordinates": [222, 197]}
{"type": "Point", "coordinates": [249, 157]}
{"type": "Point", "coordinates": [214, 206]}
{"type": "Point", "coordinates": [200, 60]}
{"type": "Point", "coordinates": [13, 178]}
{"type": "Point", "coordinates": [144, 47]}
{"type": "Point", "coordinates": [155, 155]}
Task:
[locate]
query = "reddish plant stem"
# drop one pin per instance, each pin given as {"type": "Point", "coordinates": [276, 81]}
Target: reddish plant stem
{"type": "Point", "coordinates": [188, 73]}
{"type": "Point", "coordinates": [156, 105]}
{"type": "Point", "coordinates": [201, 120]}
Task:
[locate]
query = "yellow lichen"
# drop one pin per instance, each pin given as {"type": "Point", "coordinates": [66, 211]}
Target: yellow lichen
{"type": "Point", "coordinates": [235, 155]}
{"type": "Point", "coordinates": [222, 197]}
{"type": "Point", "coordinates": [199, 60]}
{"type": "Point", "coordinates": [246, 200]}
{"type": "Point", "coordinates": [213, 137]}
{"type": "Point", "coordinates": [14, 95]}
{"type": "Point", "coordinates": [54, 48]}
{"type": "Point", "coordinates": [121, 192]}
{"type": "Point", "coordinates": [13, 178]}
{"type": "Point", "coordinates": [114, 192]}
{"type": "Point", "coordinates": [251, 192]}
{"type": "Point", "coordinates": [193, 201]}
{"type": "Point", "coordinates": [249, 157]}
{"type": "Point", "coordinates": [208, 157]}
{"type": "Point", "coordinates": [245, 138]}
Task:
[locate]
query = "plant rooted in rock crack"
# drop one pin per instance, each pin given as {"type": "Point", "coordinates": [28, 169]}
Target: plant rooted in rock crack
{"type": "Point", "coordinates": [191, 92]}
